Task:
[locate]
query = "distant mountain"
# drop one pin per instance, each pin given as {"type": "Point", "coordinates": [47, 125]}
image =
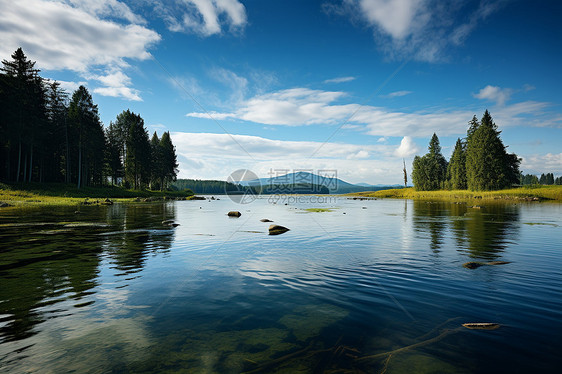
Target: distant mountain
{"type": "Point", "coordinates": [335, 185]}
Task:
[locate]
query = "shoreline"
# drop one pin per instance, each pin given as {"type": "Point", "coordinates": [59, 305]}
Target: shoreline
{"type": "Point", "coordinates": [69, 195]}
{"type": "Point", "coordinates": [35, 195]}
{"type": "Point", "coordinates": [521, 194]}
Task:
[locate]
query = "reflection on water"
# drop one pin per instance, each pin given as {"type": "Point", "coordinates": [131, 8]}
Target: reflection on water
{"type": "Point", "coordinates": [56, 259]}
{"type": "Point", "coordinates": [481, 231]}
{"type": "Point", "coordinates": [113, 289]}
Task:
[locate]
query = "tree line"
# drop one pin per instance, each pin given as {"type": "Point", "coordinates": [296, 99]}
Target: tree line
{"type": "Point", "coordinates": [222, 187]}
{"type": "Point", "coordinates": [546, 179]}
{"type": "Point", "coordinates": [479, 162]}
{"type": "Point", "coordinates": [205, 186]}
{"type": "Point", "coordinates": [47, 137]}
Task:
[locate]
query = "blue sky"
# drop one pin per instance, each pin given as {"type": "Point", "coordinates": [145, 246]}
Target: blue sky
{"type": "Point", "coordinates": [350, 85]}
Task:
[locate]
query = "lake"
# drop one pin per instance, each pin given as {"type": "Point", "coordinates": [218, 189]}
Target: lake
{"type": "Point", "coordinates": [113, 289]}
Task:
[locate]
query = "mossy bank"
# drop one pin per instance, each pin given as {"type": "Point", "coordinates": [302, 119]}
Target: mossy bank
{"type": "Point", "coordinates": [535, 193]}
{"type": "Point", "coordinates": [64, 194]}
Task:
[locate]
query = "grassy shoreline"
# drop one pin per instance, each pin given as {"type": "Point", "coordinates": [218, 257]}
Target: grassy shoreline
{"type": "Point", "coordinates": [534, 193]}
{"type": "Point", "coordinates": [60, 194]}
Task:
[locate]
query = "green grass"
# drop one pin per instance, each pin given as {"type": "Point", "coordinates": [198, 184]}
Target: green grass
{"type": "Point", "coordinates": [319, 210]}
{"type": "Point", "coordinates": [553, 193]}
{"type": "Point", "coordinates": [66, 194]}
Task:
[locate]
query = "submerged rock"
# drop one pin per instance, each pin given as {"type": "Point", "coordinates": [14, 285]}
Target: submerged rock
{"type": "Point", "coordinates": [474, 265]}
{"type": "Point", "coordinates": [265, 220]}
{"type": "Point", "coordinates": [233, 213]}
{"type": "Point", "coordinates": [277, 229]}
{"type": "Point", "coordinates": [4, 205]}
{"type": "Point", "coordinates": [481, 326]}
{"type": "Point", "coordinates": [306, 322]}
{"type": "Point", "coordinates": [497, 263]}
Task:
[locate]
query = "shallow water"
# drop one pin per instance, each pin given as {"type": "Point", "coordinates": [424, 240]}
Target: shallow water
{"type": "Point", "coordinates": [112, 289]}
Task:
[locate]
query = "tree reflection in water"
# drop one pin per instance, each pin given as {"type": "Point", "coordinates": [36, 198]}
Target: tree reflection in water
{"type": "Point", "coordinates": [483, 232]}
{"type": "Point", "coordinates": [50, 260]}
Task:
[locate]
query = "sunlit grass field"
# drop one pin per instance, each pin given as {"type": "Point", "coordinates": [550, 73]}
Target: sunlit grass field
{"type": "Point", "coordinates": [66, 194]}
{"type": "Point", "coordinates": [522, 193]}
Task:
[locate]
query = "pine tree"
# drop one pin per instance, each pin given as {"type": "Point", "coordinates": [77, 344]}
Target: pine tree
{"type": "Point", "coordinates": [420, 178]}
{"type": "Point", "coordinates": [25, 115]}
{"type": "Point", "coordinates": [88, 138]}
{"type": "Point", "coordinates": [56, 152]}
{"type": "Point", "coordinates": [430, 171]}
{"type": "Point", "coordinates": [439, 173]}
{"type": "Point", "coordinates": [137, 162]}
{"type": "Point", "coordinates": [473, 125]}
{"type": "Point", "coordinates": [169, 160]}
{"type": "Point", "coordinates": [156, 166]}
{"type": "Point", "coordinates": [456, 171]}
{"type": "Point", "coordinates": [488, 165]}
{"type": "Point", "coordinates": [114, 147]}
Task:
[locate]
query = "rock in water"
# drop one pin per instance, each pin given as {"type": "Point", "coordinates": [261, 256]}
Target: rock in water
{"type": "Point", "coordinates": [472, 265]}
{"type": "Point", "coordinates": [233, 213]}
{"type": "Point", "coordinates": [265, 220]}
{"type": "Point", "coordinates": [277, 229]}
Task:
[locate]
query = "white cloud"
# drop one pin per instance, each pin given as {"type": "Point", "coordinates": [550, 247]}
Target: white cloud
{"type": "Point", "coordinates": [459, 34]}
{"type": "Point", "coordinates": [204, 17]}
{"type": "Point", "coordinates": [116, 84]}
{"type": "Point", "coordinates": [158, 126]}
{"type": "Point", "coordinates": [303, 106]}
{"type": "Point", "coordinates": [70, 87]}
{"type": "Point", "coordinates": [122, 91]}
{"type": "Point", "coordinates": [107, 8]}
{"type": "Point", "coordinates": [398, 18]}
{"type": "Point", "coordinates": [59, 36]}
{"type": "Point", "coordinates": [407, 148]}
{"type": "Point", "coordinates": [71, 35]}
{"type": "Point", "coordinates": [538, 164]}
{"type": "Point", "coordinates": [291, 107]}
{"type": "Point", "coordinates": [238, 85]}
{"type": "Point", "coordinates": [396, 94]}
{"type": "Point", "coordinates": [494, 93]}
{"type": "Point", "coordinates": [419, 29]}
{"type": "Point", "coordinates": [215, 156]}
{"type": "Point", "coordinates": [339, 80]}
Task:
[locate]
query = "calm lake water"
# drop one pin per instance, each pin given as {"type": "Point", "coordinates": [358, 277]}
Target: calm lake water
{"type": "Point", "coordinates": [114, 290]}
